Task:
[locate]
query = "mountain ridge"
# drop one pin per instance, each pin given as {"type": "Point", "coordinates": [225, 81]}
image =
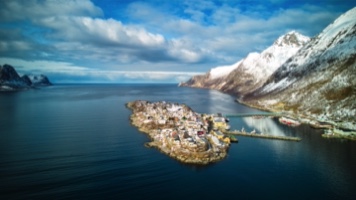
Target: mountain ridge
{"type": "Point", "coordinates": [317, 81]}
{"type": "Point", "coordinates": [253, 69]}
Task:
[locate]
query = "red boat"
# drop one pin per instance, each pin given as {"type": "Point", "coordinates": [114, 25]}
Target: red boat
{"type": "Point", "coordinates": [289, 122]}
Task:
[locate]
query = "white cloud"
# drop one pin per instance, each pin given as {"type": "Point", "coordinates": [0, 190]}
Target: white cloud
{"type": "Point", "coordinates": [148, 36]}
{"type": "Point", "coordinates": [35, 9]}
{"type": "Point", "coordinates": [100, 31]}
{"type": "Point", "coordinates": [232, 33]}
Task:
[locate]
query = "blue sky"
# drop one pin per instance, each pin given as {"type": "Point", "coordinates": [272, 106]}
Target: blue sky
{"type": "Point", "coordinates": [115, 41]}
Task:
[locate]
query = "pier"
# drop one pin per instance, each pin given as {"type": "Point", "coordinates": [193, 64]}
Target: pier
{"type": "Point", "coordinates": [266, 114]}
{"type": "Point", "coordinates": [275, 137]}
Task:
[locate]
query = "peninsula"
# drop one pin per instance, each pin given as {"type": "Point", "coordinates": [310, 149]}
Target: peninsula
{"type": "Point", "coordinates": [181, 133]}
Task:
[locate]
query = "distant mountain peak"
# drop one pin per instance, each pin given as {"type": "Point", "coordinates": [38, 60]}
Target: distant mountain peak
{"type": "Point", "coordinates": [251, 72]}
{"type": "Point", "coordinates": [270, 59]}
{"type": "Point", "coordinates": [292, 38]}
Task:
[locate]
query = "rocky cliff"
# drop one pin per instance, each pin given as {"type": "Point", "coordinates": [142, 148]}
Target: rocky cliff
{"type": "Point", "coordinates": [10, 79]}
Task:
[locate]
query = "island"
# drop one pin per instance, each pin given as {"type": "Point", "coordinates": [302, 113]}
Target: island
{"type": "Point", "coordinates": [10, 80]}
{"type": "Point", "coordinates": [179, 132]}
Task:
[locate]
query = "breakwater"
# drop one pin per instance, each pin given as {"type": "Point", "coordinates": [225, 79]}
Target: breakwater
{"type": "Point", "coordinates": [265, 136]}
{"type": "Point", "coordinates": [255, 114]}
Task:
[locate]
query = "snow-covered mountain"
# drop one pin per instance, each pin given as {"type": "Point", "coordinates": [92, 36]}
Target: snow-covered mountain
{"type": "Point", "coordinates": [320, 79]}
{"type": "Point", "coordinates": [38, 80]}
{"type": "Point", "coordinates": [252, 71]}
{"type": "Point", "coordinates": [314, 78]}
{"type": "Point", "coordinates": [10, 79]}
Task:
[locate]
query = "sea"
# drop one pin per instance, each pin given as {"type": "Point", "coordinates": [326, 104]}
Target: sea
{"type": "Point", "coordinates": [76, 142]}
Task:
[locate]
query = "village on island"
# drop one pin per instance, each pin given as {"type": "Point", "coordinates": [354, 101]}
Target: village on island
{"type": "Point", "coordinates": [180, 132]}
{"type": "Point", "coordinates": [187, 136]}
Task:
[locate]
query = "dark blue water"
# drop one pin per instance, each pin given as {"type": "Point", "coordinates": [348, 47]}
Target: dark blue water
{"type": "Point", "coordinates": [76, 142]}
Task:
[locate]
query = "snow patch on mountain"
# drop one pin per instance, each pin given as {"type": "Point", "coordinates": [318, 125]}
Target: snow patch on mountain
{"type": "Point", "coordinates": [38, 80]}
{"type": "Point", "coordinates": [256, 68]}
{"type": "Point", "coordinates": [221, 71]}
{"type": "Point", "coordinates": [282, 83]}
{"type": "Point", "coordinates": [264, 64]}
{"type": "Point", "coordinates": [273, 57]}
{"type": "Point", "coordinates": [292, 39]}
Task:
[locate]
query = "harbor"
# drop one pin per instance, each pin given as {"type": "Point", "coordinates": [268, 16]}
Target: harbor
{"type": "Point", "coordinates": [187, 136]}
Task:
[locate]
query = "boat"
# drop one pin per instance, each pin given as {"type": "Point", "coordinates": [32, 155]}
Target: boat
{"type": "Point", "coordinates": [321, 125]}
{"type": "Point", "coordinates": [289, 121]}
{"type": "Point", "coordinates": [232, 138]}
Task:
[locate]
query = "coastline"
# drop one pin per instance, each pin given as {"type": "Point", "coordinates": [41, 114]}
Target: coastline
{"type": "Point", "coordinates": [333, 129]}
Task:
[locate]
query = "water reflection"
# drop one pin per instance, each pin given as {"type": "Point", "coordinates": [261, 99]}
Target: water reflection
{"type": "Point", "coordinates": [264, 125]}
{"type": "Point", "coordinates": [270, 126]}
{"type": "Point", "coordinates": [329, 160]}
{"type": "Point", "coordinates": [223, 103]}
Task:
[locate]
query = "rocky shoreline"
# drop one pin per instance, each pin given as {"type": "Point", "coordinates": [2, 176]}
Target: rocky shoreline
{"type": "Point", "coordinates": [179, 132]}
